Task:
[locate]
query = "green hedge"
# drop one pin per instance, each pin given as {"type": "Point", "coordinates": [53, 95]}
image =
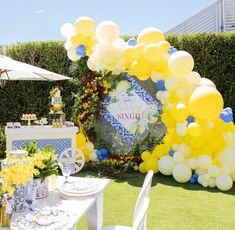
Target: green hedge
{"type": "Point", "coordinates": [214, 56]}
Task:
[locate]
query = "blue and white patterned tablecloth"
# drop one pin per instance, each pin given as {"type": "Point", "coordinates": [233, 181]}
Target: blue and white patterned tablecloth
{"type": "Point", "coordinates": [59, 144]}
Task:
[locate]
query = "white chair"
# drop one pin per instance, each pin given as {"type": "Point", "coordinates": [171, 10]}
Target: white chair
{"type": "Point", "coordinates": [139, 220]}
{"type": "Point", "coordinates": [144, 193]}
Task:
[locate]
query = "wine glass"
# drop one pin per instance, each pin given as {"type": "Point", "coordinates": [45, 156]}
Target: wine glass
{"type": "Point", "coordinates": [29, 194]}
{"type": "Point", "coordinates": [66, 166]}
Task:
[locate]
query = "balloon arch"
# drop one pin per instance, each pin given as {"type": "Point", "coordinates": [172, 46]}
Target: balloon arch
{"type": "Point", "coordinates": [199, 145]}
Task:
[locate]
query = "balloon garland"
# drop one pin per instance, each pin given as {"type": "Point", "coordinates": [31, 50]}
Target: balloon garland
{"type": "Point", "coordinates": [199, 146]}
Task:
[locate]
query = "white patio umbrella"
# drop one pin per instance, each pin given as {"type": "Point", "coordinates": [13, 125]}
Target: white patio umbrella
{"type": "Point", "coordinates": [15, 70]}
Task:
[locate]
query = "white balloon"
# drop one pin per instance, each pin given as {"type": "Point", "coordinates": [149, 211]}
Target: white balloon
{"type": "Point", "coordinates": [207, 176]}
{"type": "Point", "coordinates": [227, 158]}
{"type": "Point", "coordinates": [180, 64]}
{"type": "Point", "coordinates": [172, 83]}
{"type": "Point", "coordinates": [67, 30]}
{"type": "Point", "coordinates": [120, 44]}
{"type": "Point", "coordinates": [207, 82]}
{"type": "Point", "coordinates": [201, 179]}
{"type": "Point", "coordinates": [192, 162]}
{"type": "Point", "coordinates": [214, 171]}
{"type": "Point", "coordinates": [71, 53]}
{"type": "Point", "coordinates": [205, 184]}
{"type": "Point", "coordinates": [211, 183]}
{"type": "Point", "coordinates": [200, 171]}
{"type": "Point", "coordinates": [181, 129]}
{"type": "Point", "coordinates": [224, 182]}
{"type": "Point", "coordinates": [107, 32]}
{"type": "Point", "coordinates": [204, 161]}
{"type": "Point", "coordinates": [166, 165]}
{"type": "Point", "coordinates": [159, 95]}
{"type": "Point", "coordinates": [178, 157]}
{"type": "Point", "coordinates": [182, 172]}
{"type": "Point", "coordinates": [155, 76]}
{"type": "Point", "coordinates": [184, 148]}
{"type": "Point", "coordinates": [193, 78]}
{"type": "Point", "coordinates": [93, 156]}
{"type": "Point", "coordinates": [225, 170]}
{"type": "Point", "coordinates": [67, 45]}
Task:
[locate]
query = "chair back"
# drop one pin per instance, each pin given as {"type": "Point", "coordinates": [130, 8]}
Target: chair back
{"type": "Point", "coordinates": [144, 192]}
{"type": "Point", "coordinates": [76, 156]}
{"type": "Point", "coordinates": [141, 216]}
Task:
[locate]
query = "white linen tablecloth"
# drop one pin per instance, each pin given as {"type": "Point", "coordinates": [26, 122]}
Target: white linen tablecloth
{"type": "Point", "coordinates": [91, 206]}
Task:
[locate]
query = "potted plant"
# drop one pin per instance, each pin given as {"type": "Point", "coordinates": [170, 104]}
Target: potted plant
{"type": "Point", "coordinates": [45, 164]}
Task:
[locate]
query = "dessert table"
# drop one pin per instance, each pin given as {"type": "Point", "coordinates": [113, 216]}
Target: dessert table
{"type": "Point", "coordinates": [59, 138]}
{"type": "Point", "coordinates": [76, 208]}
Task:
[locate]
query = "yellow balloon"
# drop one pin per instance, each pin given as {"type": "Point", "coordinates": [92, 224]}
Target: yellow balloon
{"type": "Point", "coordinates": [139, 50]}
{"type": "Point", "coordinates": [141, 70]}
{"type": "Point", "coordinates": [85, 26]}
{"type": "Point", "coordinates": [165, 46]}
{"type": "Point", "coordinates": [162, 64]}
{"type": "Point", "coordinates": [142, 168]}
{"type": "Point", "coordinates": [179, 112]}
{"type": "Point", "coordinates": [77, 40]}
{"type": "Point", "coordinates": [151, 164]}
{"type": "Point", "coordinates": [206, 103]}
{"type": "Point", "coordinates": [152, 52]}
{"type": "Point", "coordinates": [85, 151]}
{"type": "Point", "coordinates": [150, 35]}
{"type": "Point", "coordinates": [145, 155]}
{"type": "Point", "coordinates": [196, 142]}
{"type": "Point", "coordinates": [128, 56]}
{"type": "Point", "coordinates": [160, 150]}
{"type": "Point", "coordinates": [180, 63]}
{"type": "Point", "coordinates": [168, 121]}
{"type": "Point", "coordinates": [81, 140]}
{"type": "Point", "coordinates": [194, 129]}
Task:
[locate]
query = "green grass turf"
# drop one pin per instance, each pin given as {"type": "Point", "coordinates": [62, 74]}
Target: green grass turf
{"type": "Point", "coordinates": [172, 205]}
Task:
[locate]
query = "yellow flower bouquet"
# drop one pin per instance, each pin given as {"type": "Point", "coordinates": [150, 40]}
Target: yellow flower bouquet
{"type": "Point", "coordinates": [16, 170]}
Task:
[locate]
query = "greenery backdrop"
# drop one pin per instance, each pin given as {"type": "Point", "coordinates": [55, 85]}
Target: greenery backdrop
{"type": "Point", "coordinates": [214, 56]}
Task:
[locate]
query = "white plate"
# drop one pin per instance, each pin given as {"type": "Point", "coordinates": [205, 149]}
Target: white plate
{"type": "Point", "coordinates": [79, 187]}
{"type": "Point", "coordinates": [43, 219]}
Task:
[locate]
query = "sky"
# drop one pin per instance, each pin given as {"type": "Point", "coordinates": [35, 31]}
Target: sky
{"type": "Point", "coordinates": [31, 20]}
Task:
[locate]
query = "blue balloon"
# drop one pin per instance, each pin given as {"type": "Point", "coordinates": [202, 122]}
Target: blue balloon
{"type": "Point", "coordinates": [132, 42]}
{"type": "Point", "coordinates": [192, 181]}
{"type": "Point", "coordinates": [81, 50]}
{"type": "Point", "coordinates": [103, 154]}
{"type": "Point", "coordinates": [171, 153]}
{"type": "Point", "coordinates": [99, 154]}
{"type": "Point", "coordinates": [172, 50]}
{"type": "Point", "coordinates": [195, 176]}
{"type": "Point", "coordinates": [160, 85]}
{"type": "Point", "coordinates": [227, 115]}
{"type": "Point", "coordinates": [190, 119]}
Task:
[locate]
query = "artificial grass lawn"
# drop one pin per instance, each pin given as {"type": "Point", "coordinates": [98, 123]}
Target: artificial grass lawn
{"type": "Point", "coordinates": [172, 205]}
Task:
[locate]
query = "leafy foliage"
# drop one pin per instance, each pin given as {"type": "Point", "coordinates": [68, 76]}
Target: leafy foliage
{"type": "Point", "coordinates": [45, 160]}
{"type": "Point", "coordinates": [116, 166]}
